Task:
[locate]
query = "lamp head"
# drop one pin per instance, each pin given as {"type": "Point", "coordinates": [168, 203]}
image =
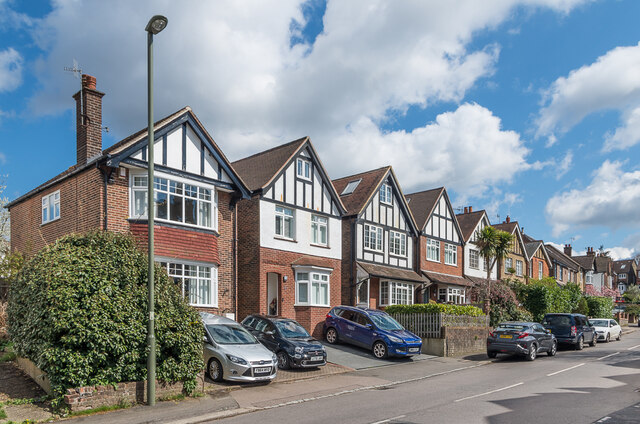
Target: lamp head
{"type": "Point", "coordinates": [156, 24]}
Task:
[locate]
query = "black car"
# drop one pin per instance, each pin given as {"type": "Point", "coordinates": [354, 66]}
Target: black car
{"type": "Point", "coordinates": [521, 338]}
{"type": "Point", "coordinates": [291, 343]}
{"type": "Point", "coordinates": [573, 329]}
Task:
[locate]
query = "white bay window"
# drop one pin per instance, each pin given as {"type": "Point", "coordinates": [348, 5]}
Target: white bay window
{"type": "Point", "coordinates": [198, 283]}
{"type": "Point", "coordinates": [394, 293]}
{"type": "Point", "coordinates": [312, 288]}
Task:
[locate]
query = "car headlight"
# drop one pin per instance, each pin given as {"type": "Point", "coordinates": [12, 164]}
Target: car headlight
{"type": "Point", "coordinates": [274, 358]}
{"type": "Point", "coordinates": [299, 349]}
{"type": "Point", "coordinates": [323, 349]}
{"type": "Point", "coordinates": [395, 339]}
{"type": "Point", "coordinates": [236, 360]}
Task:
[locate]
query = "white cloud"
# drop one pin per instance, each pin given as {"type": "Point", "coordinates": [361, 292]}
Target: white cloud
{"type": "Point", "coordinates": [232, 61]}
{"type": "Point", "coordinates": [10, 69]}
{"type": "Point", "coordinates": [612, 82]}
{"type": "Point", "coordinates": [610, 200]}
{"type": "Point", "coordinates": [618, 252]}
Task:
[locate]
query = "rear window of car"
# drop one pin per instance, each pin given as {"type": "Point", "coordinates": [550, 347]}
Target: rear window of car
{"type": "Point", "coordinates": [599, 322]}
{"type": "Point", "coordinates": [557, 320]}
{"type": "Point", "coordinates": [510, 327]}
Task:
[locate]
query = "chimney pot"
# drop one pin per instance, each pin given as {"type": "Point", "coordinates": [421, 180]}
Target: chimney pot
{"type": "Point", "coordinates": [88, 81]}
{"type": "Point", "coordinates": [508, 220]}
{"type": "Point", "coordinates": [466, 209]}
{"type": "Point", "coordinates": [567, 250]}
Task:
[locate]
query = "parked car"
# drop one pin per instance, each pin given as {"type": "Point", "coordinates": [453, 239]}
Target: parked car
{"type": "Point", "coordinates": [573, 329]}
{"type": "Point", "coordinates": [606, 329]}
{"type": "Point", "coordinates": [371, 329]}
{"type": "Point", "coordinates": [291, 343]}
{"type": "Point", "coordinates": [232, 353]}
{"type": "Point", "coordinates": [521, 338]}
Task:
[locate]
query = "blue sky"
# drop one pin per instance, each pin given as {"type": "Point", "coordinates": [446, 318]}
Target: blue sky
{"type": "Point", "coordinates": [526, 108]}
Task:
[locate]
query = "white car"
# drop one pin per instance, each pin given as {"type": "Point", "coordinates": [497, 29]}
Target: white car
{"type": "Point", "coordinates": [606, 329]}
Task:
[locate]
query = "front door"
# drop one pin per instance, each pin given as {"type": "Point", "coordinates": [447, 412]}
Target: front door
{"type": "Point", "coordinates": [363, 294]}
{"type": "Point", "coordinates": [273, 302]}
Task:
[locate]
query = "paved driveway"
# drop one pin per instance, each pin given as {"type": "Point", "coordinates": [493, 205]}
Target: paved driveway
{"type": "Point", "coordinates": [357, 358]}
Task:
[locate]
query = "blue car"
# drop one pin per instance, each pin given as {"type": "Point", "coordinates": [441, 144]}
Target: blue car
{"type": "Point", "coordinates": [371, 329]}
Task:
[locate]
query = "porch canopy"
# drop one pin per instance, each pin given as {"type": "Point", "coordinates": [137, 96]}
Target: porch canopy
{"type": "Point", "coordinates": [391, 273]}
{"type": "Point", "coordinates": [452, 280]}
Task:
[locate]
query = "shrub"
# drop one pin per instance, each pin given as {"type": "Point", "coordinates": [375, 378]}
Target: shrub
{"type": "Point", "coordinates": [544, 296]}
{"type": "Point", "coordinates": [503, 302]}
{"type": "Point", "coordinates": [600, 307]}
{"type": "Point", "coordinates": [78, 311]}
{"type": "Point", "coordinates": [435, 308]}
{"type": "Point", "coordinates": [3, 320]}
{"type": "Point", "coordinates": [583, 307]}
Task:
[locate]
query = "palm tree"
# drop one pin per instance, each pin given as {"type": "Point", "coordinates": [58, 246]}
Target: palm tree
{"type": "Point", "coordinates": [492, 245]}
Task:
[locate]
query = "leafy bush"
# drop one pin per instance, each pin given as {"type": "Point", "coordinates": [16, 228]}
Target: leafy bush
{"type": "Point", "coordinates": [503, 302]}
{"type": "Point", "coordinates": [583, 307]}
{"type": "Point", "coordinates": [435, 308]}
{"type": "Point", "coordinates": [78, 311]}
{"type": "Point", "coordinates": [600, 307]}
{"type": "Point", "coordinates": [3, 320]}
{"type": "Point", "coordinates": [544, 296]}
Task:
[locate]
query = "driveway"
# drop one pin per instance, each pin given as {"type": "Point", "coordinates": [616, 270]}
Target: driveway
{"type": "Point", "coordinates": [358, 358]}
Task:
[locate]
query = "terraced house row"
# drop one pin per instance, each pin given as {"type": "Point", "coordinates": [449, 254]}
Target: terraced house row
{"type": "Point", "coordinates": [272, 233]}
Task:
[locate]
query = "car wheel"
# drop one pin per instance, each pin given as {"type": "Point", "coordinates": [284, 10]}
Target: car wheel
{"type": "Point", "coordinates": [608, 338]}
{"type": "Point", "coordinates": [554, 349]}
{"type": "Point", "coordinates": [380, 350]}
{"type": "Point", "coordinates": [580, 344]}
{"type": "Point", "coordinates": [533, 352]}
{"type": "Point", "coordinates": [619, 336]}
{"type": "Point", "coordinates": [594, 340]}
{"type": "Point", "coordinates": [283, 360]}
{"type": "Point", "coordinates": [215, 370]}
{"type": "Point", "coordinates": [332, 335]}
{"type": "Point", "coordinates": [492, 354]}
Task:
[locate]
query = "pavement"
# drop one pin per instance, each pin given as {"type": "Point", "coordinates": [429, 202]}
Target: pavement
{"type": "Point", "coordinates": [357, 358]}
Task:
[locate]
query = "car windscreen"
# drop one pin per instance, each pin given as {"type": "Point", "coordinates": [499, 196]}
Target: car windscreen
{"type": "Point", "coordinates": [510, 327]}
{"type": "Point", "coordinates": [556, 320]}
{"type": "Point", "coordinates": [230, 334]}
{"type": "Point", "coordinates": [385, 322]}
{"type": "Point", "coordinates": [291, 330]}
{"type": "Point", "coordinates": [599, 322]}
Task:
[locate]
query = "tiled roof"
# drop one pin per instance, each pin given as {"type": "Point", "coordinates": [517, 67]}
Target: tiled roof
{"type": "Point", "coordinates": [586, 262]}
{"type": "Point", "coordinates": [258, 170]}
{"type": "Point", "coordinates": [602, 263]}
{"type": "Point", "coordinates": [468, 222]}
{"type": "Point", "coordinates": [531, 247]}
{"type": "Point", "coordinates": [375, 270]}
{"type": "Point", "coordinates": [509, 227]}
{"type": "Point", "coordinates": [436, 277]}
{"type": "Point", "coordinates": [422, 204]}
{"type": "Point", "coordinates": [559, 256]}
{"type": "Point", "coordinates": [623, 266]}
{"type": "Point", "coordinates": [358, 199]}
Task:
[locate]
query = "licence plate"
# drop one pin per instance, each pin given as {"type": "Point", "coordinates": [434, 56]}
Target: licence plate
{"type": "Point", "coordinates": [413, 349]}
{"type": "Point", "coordinates": [506, 336]}
{"type": "Point", "coordinates": [316, 358]}
{"type": "Point", "coordinates": [262, 370]}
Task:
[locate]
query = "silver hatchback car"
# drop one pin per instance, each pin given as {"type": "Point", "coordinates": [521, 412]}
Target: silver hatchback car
{"type": "Point", "coordinates": [232, 353]}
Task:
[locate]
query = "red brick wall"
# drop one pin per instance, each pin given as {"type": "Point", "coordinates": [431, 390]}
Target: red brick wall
{"type": "Point", "coordinates": [440, 267]}
{"type": "Point", "coordinates": [545, 268]}
{"type": "Point", "coordinates": [348, 266]}
{"type": "Point", "coordinates": [179, 243]}
{"type": "Point", "coordinates": [249, 285]}
{"type": "Point", "coordinates": [81, 209]}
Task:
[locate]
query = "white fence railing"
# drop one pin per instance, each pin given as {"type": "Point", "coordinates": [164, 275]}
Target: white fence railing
{"type": "Point", "coordinates": [430, 325]}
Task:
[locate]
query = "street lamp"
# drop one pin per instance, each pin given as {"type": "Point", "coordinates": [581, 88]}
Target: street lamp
{"type": "Point", "coordinates": [155, 25]}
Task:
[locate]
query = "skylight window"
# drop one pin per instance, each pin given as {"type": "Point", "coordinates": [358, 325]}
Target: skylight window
{"type": "Point", "coordinates": [351, 187]}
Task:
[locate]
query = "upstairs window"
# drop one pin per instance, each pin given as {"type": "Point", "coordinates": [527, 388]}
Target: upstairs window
{"type": "Point", "coordinates": [351, 187]}
{"type": "Point", "coordinates": [519, 268]}
{"type": "Point", "coordinates": [304, 169]}
{"type": "Point", "coordinates": [450, 254]}
{"type": "Point", "coordinates": [319, 226]}
{"type": "Point", "coordinates": [285, 222]}
{"type": "Point", "coordinates": [372, 237]}
{"type": "Point", "coordinates": [622, 276]}
{"type": "Point", "coordinates": [539, 270]}
{"type": "Point", "coordinates": [433, 250]}
{"type": "Point", "coordinates": [508, 264]}
{"type": "Point", "coordinates": [51, 207]}
{"type": "Point", "coordinates": [474, 259]}
{"type": "Point", "coordinates": [397, 243]}
{"type": "Point", "coordinates": [386, 194]}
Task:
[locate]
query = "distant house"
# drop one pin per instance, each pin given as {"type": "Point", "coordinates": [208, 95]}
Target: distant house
{"type": "Point", "coordinates": [471, 222]}
{"type": "Point", "coordinates": [379, 242]}
{"type": "Point", "coordinates": [539, 260]}
{"type": "Point", "coordinates": [625, 274]}
{"type": "Point", "coordinates": [516, 264]}
{"type": "Point", "coordinates": [588, 266]}
{"type": "Point", "coordinates": [441, 244]}
{"type": "Point", "coordinates": [603, 270]}
{"type": "Point", "coordinates": [564, 268]}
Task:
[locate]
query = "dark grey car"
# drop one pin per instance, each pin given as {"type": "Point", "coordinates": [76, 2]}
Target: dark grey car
{"type": "Point", "coordinates": [573, 329]}
{"type": "Point", "coordinates": [521, 338]}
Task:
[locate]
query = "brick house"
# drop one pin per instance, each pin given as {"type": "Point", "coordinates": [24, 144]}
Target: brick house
{"type": "Point", "coordinates": [516, 260]}
{"type": "Point", "coordinates": [625, 272]}
{"type": "Point", "coordinates": [440, 247]}
{"type": "Point", "coordinates": [471, 222]}
{"type": "Point", "coordinates": [539, 260]}
{"type": "Point", "coordinates": [196, 192]}
{"type": "Point", "coordinates": [379, 240]}
{"type": "Point", "coordinates": [587, 268]}
{"type": "Point", "coordinates": [563, 267]}
{"type": "Point", "coordinates": [290, 236]}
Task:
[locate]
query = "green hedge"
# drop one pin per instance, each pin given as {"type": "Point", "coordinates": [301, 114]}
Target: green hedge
{"type": "Point", "coordinates": [435, 308]}
{"type": "Point", "coordinates": [541, 297]}
{"type": "Point", "coordinates": [600, 307]}
{"type": "Point", "coordinates": [78, 310]}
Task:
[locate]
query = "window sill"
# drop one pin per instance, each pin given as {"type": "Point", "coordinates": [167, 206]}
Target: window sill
{"type": "Point", "coordinates": [433, 260]}
{"type": "Point", "coordinates": [322, 246]}
{"type": "Point", "coordinates": [285, 239]}
{"type": "Point", "coordinates": [398, 256]}
{"type": "Point", "coordinates": [302, 305]}
{"type": "Point", "coordinates": [450, 264]}
{"type": "Point", "coordinates": [197, 305]}
{"type": "Point", "coordinates": [50, 221]}
{"type": "Point", "coordinates": [373, 250]}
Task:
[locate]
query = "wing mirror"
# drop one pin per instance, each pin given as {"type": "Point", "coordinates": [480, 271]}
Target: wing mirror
{"type": "Point", "coordinates": [369, 326]}
{"type": "Point", "coordinates": [548, 331]}
{"type": "Point", "coordinates": [268, 333]}
{"type": "Point", "coordinates": [205, 339]}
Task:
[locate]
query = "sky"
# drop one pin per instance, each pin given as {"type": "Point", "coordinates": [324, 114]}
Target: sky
{"type": "Point", "coordinates": [525, 108]}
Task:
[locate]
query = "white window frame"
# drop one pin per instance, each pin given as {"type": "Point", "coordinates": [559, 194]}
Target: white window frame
{"type": "Point", "coordinates": [508, 263]}
{"type": "Point", "coordinates": [303, 169]}
{"type": "Point", "coordinates": [519, 267]}
{"type": "Point", "coordinates": [204, 194]}
{"type": "Point", "coordinates": [622, 275]}
{"type": "Point", "coordinates": [394, 291]}
{"type": "Point", "coordinates": [558, 268]}
{"type": "Point", "coordinates": [589, 277]}
{"type": "Point", "coordinates": [474, 259]}
{"type": "Point", "coordinates": [378, 239]}
{"type": "Point", "coordinates": [540, 270]}
{"type": "Point", "coordinates": [281, 214]}
{"type": "Point", "coordinates": [50, 204]}
{"type": "Point", "coordinates": [433, 246]}
{"type": "Point", "coordinates": [450, 254]}
{"type": "Point", "coordinates": [315, 278]}
{"type": "Point", "coordinates": [200, 275]}
{"type": "Point", "coordinates": [316, 225]}
{"type": "Point", "coordinates": [397, 243]}
{"type": "Point", "coordinates": [386, 194]}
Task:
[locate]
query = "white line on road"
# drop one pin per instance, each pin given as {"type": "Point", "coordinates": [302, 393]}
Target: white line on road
{"type": "Point", "coordinates": [566, 369]}
{"type": "Point", "coordinates": [605, 357]}
{"type": "Point", "coordinates": [389, 419]}
{"type": "Point", "coordinates": [633, 347]}
{"type": "Point", "coordinates": [488, 393]}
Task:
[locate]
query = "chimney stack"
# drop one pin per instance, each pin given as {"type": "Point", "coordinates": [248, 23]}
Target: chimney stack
{"type": "Point", "coordinates": [470, 209]}
{"type": "Point", "coordinates": [567, 250]}
{"type": "Point", "coordinates": [466, 209]}
{"type": "Point", "coordinates": [88, 120]}
{"type": "Point", "coordinates": [508, 220]}
{"type": "Point", "coordinates": [590, 251]}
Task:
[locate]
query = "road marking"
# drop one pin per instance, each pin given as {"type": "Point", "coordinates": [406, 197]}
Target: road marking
{"type": "Point", "coordinates": [389, 419]}
{"type": "Point", "coordinates": [566, 369]}
{"type": "Point", "coordinates": [633, 347]}
{"type": "Point", "coordinates": [488, 393]}
{"type": "Point", "coordinates": [605, 357]}
{"type": "Point", "coordinates": [603, 419]}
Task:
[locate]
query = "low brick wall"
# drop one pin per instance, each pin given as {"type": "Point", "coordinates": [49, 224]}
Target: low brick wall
{"type": "Point", "coordinates": [89, 397]}
{"type": "Point", "coordinates": [465, 340]}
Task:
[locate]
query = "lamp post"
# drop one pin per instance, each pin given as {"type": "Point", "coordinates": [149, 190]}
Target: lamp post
{"type": "Point", "coordinates": [155, 25]}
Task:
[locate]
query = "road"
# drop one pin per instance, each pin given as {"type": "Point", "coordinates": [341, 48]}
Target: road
{"type": "Point", "coordinates": [598, 384]}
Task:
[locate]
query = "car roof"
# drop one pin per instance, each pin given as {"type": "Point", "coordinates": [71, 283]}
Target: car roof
{"type": "Point", "coordinates": [208, 318]}
{"type": "Point", "coordinates": [523, 323]}
{"type": "Point", "coordinates": [362, 309]}
{"type": "Point", "coordinates": [274, 319]}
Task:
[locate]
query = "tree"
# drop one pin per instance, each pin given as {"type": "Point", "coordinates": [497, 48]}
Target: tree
{"type": "Point", "coordinates": [492, 245]}
{"type": "Point", "coordinates": [602, 252]}
{"type": "Point", "coordinates": [4, 218]}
